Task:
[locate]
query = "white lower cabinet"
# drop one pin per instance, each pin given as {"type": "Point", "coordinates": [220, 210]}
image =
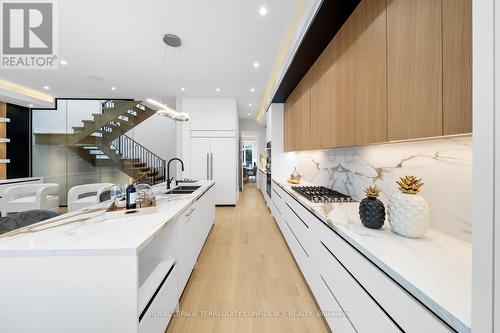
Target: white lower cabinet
{"type": "Point", "coordinates": [362, 311]}
{"type": "Point", "coordinates": [160, 292]}
{"type": "Point", "coordinates": [193, 228]}
{"type": "Point", "coordinates": [158, 313]}
{"type": "Point", "coordinates": [353, 294]}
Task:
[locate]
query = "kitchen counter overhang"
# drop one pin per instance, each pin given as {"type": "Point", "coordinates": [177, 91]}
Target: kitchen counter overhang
{"type": "Point", "coordinates": [87, 232]}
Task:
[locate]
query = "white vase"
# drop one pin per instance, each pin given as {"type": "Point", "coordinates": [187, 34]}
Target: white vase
{"type": "Point", "coordinates": [408, 214]}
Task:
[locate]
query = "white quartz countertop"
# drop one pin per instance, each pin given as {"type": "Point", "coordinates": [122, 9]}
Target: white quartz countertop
{"type": "Point", "coordinates": [87, 232]}
{"type": "Point", "coordinates": [435, 269]}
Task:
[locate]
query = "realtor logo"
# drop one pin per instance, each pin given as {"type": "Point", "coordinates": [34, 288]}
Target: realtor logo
{"type": "Point", "coordinates": [28, 34]}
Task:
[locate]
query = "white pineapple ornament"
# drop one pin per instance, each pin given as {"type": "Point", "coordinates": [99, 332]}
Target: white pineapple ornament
{"type": "Point", "coordinates": [408, 212]}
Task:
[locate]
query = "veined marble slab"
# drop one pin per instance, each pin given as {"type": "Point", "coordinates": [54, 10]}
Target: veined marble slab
{"type": "Point", "coordinates": [86, 232]}
{"type": "Point", "coordinates": [436, 269]}
{"type": "Point", "coordinates": [444, 164]}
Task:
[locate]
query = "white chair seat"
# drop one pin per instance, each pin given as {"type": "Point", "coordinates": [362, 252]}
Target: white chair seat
{"type": "Point", "coordinates": [28, 197]}
{"type": "Point", "coordinates": [82, 196]}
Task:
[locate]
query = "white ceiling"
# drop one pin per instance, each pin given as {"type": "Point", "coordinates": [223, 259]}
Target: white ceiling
{"type": "Point", "coordinates": [121, 42]}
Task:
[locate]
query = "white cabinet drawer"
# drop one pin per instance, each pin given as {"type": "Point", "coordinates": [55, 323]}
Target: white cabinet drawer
{"type": "Point", "coordinates": [409, 313]}
{"type": "Point", "coordinates": [362, 310]}
{"type": "Point", "coordinates": [159, 310]}
{"type": "Point", "coordinates": [297, 223]}
{"type": "Point", "coordinates": [333, 312]}
{"type": "Point", "coordinates": [188, 245]}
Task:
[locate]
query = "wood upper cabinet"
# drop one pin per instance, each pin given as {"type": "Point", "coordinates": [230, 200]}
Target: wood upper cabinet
{"type": "Point", "coordinates": [414, 68]}
{"type": "Point", "coordinates": [316, 109]}
{"type": "Point", "coordinates": [396, 70]}
{"type": "Point", "coordinates": [298, 117]}
{"type": "Point", "coordinates": [371, 72]}
{"type": "Point", "coordinates": [457, 66]}
{"type": "Point", "coordinates": [290, 136]}
{"type": "Point", "coordinates": [350, 87]}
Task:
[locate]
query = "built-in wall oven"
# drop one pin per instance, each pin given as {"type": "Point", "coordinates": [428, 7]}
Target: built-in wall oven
{"type": "Point", "coordinates": [268, 168]}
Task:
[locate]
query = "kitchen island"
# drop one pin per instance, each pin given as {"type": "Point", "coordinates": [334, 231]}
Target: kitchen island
{"type": "Point", "coordinates": [82, 272]}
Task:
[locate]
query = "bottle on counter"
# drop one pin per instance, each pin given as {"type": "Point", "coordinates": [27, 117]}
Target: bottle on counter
{"type": "Point", "coordinates": [131, 192]}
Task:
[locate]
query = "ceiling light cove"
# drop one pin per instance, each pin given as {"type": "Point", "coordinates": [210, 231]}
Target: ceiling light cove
{"type": "Point", "coordinates": [156, 103]}
{"type": "Point", "coordinates": [263, 11]}
{"type": "Point", "coordinates": [256, 65]}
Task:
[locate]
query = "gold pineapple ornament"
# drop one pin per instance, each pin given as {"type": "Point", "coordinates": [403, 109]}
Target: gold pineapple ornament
{"type": "Point", "coordinates": [408, 212]}
{"type": "Point", "coordinates": [409, 184]}
{"type": "Point", "coordinates": [372, 191]}
{"type": "Point", "coordinates": [371, 209]}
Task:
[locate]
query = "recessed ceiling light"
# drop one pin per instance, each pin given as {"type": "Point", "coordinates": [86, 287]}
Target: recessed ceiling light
{"type": "Point", "coordinates": [63, 62]}
{"type": "Point", "coordinates": [46, 87]}
{"type": "Point", "coordinates": [183, 89]}
{"type": "Point", "coordinates": [217, 89]}
{"type": "Point", "coordinates": [249, 114]}
{"type": "Point", "coordinates": [31, 105]}
{"type": "Point", "coordinates": [113, 88]}
{"type": "Point", "coordinates": [252, 89]}
{"type": "Point", "coordinates": [263, 11]}
{"type": "Point", "coordinates": [256, 65]}
{"type": "Point", "coordinates": [249, 104]}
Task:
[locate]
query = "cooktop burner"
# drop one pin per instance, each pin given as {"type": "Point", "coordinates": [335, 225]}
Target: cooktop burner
{"type": "Point", "coordinates": [319, 194]}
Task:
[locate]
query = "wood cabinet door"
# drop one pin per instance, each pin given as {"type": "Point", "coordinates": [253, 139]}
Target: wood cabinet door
{"type": "Point", "coordinates": [414, 69]}
{"type": "Point", "coordinates": [316, 106]}
{"type": "Point", "coordinates": [288, 123]}
{"type": "Point", "coordinates": [370, 70]}
{"type": "Point", "coordinates": [349, 87]}
{"type": "Point", "coordinates": [343, 85]}
{"type": "Point", "coordinates": [457, 66]}
{"type": "Point", "coordinates": [296, 135]}
{"type": "Point", "coordinates": [303, 110]}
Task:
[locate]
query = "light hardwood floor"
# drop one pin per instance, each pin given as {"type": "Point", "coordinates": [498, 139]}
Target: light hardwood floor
{"type": "Point", "coordinates": [245, 265]}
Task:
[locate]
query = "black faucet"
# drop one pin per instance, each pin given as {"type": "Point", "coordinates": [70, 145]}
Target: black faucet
{"type": "Point", "coordinates": [168, 170]}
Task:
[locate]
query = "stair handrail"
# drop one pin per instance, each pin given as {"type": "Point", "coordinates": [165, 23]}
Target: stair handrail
{"type": "Point", "coordinates": [128, 148]}
{"type": "Point", "coordinates": [164, 162]}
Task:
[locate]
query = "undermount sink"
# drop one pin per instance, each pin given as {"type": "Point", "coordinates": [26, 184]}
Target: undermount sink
{"type": "Point", "coordinates": [183, 190]}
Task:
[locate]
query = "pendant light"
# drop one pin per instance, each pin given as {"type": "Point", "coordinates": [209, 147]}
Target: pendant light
{"type": "Point", "coordinates": [163, 110]}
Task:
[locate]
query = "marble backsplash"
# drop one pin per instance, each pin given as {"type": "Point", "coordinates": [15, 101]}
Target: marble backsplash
{"type": "Point", "coordinates": [444, 164]}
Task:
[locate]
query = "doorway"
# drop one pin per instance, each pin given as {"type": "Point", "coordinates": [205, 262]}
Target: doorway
{"type": "Point", "coordinates": [249, 158]}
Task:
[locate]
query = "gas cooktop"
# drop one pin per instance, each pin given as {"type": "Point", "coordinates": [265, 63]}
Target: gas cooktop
{"type": "Point", "coordinates": [318, 194]}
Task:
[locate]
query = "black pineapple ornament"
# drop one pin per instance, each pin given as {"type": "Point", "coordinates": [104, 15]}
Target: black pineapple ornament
{"type": "Point", "coordinates": [371, 209]}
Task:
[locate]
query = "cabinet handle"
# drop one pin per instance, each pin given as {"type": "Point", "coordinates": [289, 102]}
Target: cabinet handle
{"type": "Point", "coordinates": [210, 166]}
{"type": "Point", "coordinates": [190, 212]}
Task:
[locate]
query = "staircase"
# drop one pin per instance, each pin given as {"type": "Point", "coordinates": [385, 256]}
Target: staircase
{"type": "Point", "coordinates": [103, 143]}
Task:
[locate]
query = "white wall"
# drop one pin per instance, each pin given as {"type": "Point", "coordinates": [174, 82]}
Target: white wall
{"type": "Point", "coordinates": [157, 134]}
{"type": "Point", "coordinates": [249, 125]}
